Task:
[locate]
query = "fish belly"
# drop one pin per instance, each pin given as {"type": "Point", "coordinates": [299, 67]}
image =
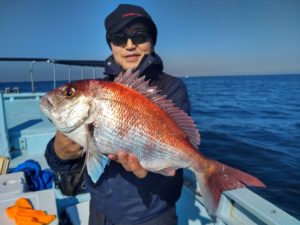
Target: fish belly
{"type": "Point", "coordinates": [121, 127]}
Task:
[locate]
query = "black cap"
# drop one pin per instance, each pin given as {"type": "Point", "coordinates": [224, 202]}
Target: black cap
{"type": "Point", "coordinates": [126, 13]}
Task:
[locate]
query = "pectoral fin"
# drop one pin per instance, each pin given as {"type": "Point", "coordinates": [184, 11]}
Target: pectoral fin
{"type": "Point", "coordinates": [95, 161]}
{"type": "Point", "coordinates": [95, 164]}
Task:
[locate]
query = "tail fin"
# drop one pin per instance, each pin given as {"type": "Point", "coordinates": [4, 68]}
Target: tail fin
{"type": "Point", "coordinates": [217, 178]}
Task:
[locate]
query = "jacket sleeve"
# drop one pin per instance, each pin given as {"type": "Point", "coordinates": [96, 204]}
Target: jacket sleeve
{"type": "Point", "coordinates": [57, 164]}
{"type": "Point", "coordinates": [68, 173]}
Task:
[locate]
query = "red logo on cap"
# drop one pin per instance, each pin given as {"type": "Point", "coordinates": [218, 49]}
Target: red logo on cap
{"type": "Point", "coordinates": [131, 14]}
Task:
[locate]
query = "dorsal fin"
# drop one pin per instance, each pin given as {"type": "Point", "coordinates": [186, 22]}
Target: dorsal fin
{"type": "Point", "coordinates": [183, 120]}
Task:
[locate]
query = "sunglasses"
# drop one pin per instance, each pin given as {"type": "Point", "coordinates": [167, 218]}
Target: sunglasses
{"type": "Point", "coordinates": [137, 37]}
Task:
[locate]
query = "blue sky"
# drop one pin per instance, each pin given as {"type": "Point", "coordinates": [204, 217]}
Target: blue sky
{"type": "Point", "coordinates": [195, 37]}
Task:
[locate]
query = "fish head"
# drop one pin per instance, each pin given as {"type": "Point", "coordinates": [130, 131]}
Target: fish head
{"type": "Point", "coordinates": [68, 106]}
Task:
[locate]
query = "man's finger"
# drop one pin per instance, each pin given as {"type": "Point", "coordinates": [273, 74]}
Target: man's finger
{"type": "Point", "coordinates": [113, 157]}
{"type": "Point", "coordinates": [136, 167]}
{"type": "Point", "coordinates": [129, 162]}
{"type": "Point", "coordinates": [123, 157]}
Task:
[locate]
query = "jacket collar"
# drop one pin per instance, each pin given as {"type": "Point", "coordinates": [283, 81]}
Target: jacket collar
{"type": "Point", "coordinates": [150, 66]}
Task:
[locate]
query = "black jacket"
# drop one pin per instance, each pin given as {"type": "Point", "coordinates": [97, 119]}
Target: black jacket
{"type": "Point", "coordinates": [119, 194]}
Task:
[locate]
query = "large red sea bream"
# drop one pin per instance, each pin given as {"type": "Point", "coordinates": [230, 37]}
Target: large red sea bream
{"type": "Point", "coordinates": [128, 114]}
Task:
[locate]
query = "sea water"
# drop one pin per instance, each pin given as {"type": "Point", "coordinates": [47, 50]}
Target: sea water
{"type": "Point", "coordinates": [248, 122]}
{"type": "Point", "coordinates": [253, 123]}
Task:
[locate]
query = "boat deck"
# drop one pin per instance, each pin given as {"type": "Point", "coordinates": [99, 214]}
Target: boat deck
{"type": "Point", "coordinates": [27, 128]}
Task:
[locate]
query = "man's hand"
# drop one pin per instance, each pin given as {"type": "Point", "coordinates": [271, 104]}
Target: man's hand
{"type": "Point", "coordinates": [130, 163]}
{"type": "Point", "coordinates": [65, 148]}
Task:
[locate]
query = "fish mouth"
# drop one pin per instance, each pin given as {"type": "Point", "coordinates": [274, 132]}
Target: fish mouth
{"type": "Point", "coordinates": [45, 102]}
{"type": "Point", "coordinates": [46, 106]}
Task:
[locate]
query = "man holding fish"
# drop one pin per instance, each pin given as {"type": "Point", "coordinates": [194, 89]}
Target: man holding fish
{"type": "Point", "coordinates": [135, 133]}
{"type": "Point", "coordinates": [126, 193]}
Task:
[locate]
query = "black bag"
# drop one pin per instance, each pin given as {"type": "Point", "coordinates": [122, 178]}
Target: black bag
{"type": "Point", "coordinates": [70, 183]}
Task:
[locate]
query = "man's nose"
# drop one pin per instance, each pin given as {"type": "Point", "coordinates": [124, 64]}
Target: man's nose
{"type": "Point", "coordinates": [130, 44]}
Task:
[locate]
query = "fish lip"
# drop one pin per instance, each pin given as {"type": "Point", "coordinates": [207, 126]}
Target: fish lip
{"type": "Point", "coordinates": [46, 106]}
{"type": "Point", "coordinates": [45, 102]}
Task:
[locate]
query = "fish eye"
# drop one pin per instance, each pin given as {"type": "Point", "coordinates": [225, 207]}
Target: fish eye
{"type": "Point", "coordinates": [69, 92]}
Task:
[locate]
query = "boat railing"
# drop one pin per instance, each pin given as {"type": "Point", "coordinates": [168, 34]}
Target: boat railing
{"type": "Point", "coordinates": [82, 63]}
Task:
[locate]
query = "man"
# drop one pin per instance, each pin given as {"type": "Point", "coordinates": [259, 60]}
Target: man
{"type": "Point", "coordinates": [126, 193]}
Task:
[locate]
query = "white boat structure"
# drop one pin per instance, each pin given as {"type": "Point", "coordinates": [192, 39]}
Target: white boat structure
{"type": "Point", "coordinates": [25, 132]}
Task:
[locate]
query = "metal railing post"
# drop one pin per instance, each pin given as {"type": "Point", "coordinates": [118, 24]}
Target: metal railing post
{"type": "Point", "coordinates": [69, 73]}
{"type": "Point", "coordinates": [4, 141]}
{"type": "Point", "coordinates": [31, 75]}
{"type": "Point", "coordinates": [54, 75]}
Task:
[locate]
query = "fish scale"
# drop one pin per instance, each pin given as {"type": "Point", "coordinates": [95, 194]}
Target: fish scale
{"type": "Point", "coordinates": [137, 136]}
{"type": "Point", "coordinates": [105, 117]}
